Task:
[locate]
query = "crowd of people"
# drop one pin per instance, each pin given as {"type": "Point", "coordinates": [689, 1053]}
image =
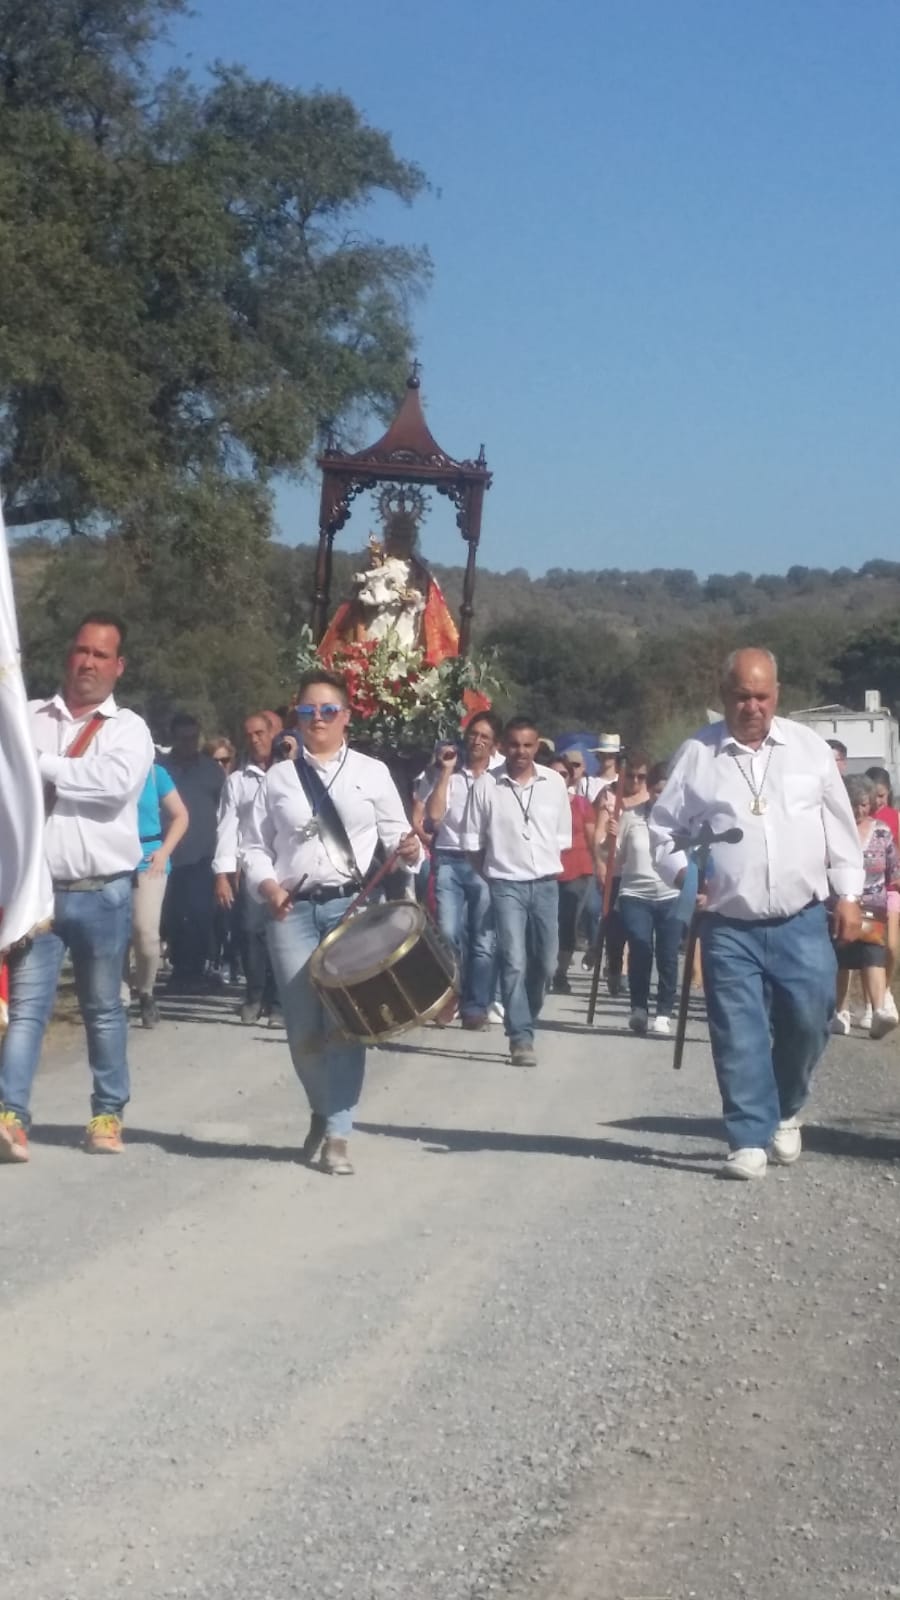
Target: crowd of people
{"type": "Point", "coordinates": [241, 869]}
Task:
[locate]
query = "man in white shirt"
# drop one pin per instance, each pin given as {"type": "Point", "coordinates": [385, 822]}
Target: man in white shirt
{"type": "Point", "coordinates": [188, 910]}
{"type": "Point", "coordinates": [768, 963]}
{"type": "Point", "coordinates": [519, 823]}
{"type": "Point", "coordinates": [232, 892]}
{"type": "Point", "coordinates": [94, 758]}
{"type": "Point", "coordinates": [306, 880]}
{"type": "Point", "coordinates": [461, 894]}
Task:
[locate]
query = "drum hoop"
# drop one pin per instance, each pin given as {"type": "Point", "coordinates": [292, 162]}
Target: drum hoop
{"type": "Point", "coordinates": [409, 943]}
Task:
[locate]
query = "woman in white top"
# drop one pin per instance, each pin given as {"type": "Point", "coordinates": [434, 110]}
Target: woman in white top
{"type": "Point", "coordinates": [649, 910]}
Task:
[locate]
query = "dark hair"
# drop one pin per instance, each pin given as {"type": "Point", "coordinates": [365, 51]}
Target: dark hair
{"type": "Point", "coordinates": [104, 619]}
{"type": "Point", "coordinates": [837, 745]}
{"type": "Point", "coordinates": [658, 773]}
{"type": "Point", "coordinates": [518, 724]}
{"type": "Point", "coordinates": [490, 717]}
{"type": "Point", "coordinates": [881, 775]}
{"type": "Point", "coordinates": [558, 761]}
{"type": "Point", "coordinates": [332, 680]}
{"type": "Point", "coordinates": [184, 719]}
{"type": "Point", "coordinates": [636, 758]}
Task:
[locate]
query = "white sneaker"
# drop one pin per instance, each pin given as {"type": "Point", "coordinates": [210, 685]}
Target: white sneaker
{"type": "Point", "coordinates": [496, 1012]}
{"type": "Point", "coordinates": [638, 1020]}
{"type": "Point", "coordinates": [745, 1164]}
{"type": "Point", "coordinates": [890, 1005]}
{"type": "Point", "coordinates": [883, 1020]}
{"type": "Point", "coordinates": [840, 1022]}
{"type": "Point", "coordinates": [662, 1025]}
{"type": "Point", "coordinates": [786, 1143]}
{"type": "Point", "coordinates": [864, 1020]}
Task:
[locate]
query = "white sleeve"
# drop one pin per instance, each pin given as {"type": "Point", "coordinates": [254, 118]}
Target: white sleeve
{"type": "Point", "coordinates": [671, 815]}
{"type": "Point", "coordinates": [258, 843]}
{"type": "Point", "coordinates": [225, 859]}
{"type": "Point", "coordinates": [846, 870]}
{"type": "Point", "coordinates": [104, 777]}
{"type": "Point", "coordinates": [391, 819]}
{"type": "Point", "coordinates": [564, 819]}
{"type": "Point", "coordinates": [473, 829]}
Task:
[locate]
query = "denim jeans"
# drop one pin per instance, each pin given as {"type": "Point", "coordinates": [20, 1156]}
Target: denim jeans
{"type": "Point", "coordinates": [465, 919]}
{"type": "Point", "coordinates": [649, 924]}
{"type": "Point", "coordinates": [329, 1067]}
{"type": "Point", "coordinates": [526, 916]}
{"type": "Point", "coordinates": [95, 926]}
{"type": "Point", "coordinates": [769, 996]}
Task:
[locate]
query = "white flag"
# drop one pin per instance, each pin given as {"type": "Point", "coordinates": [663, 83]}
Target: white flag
{"type": "Point", "coordinates": [26, 896]}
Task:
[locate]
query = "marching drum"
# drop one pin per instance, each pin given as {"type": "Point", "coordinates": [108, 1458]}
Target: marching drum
{"type": "Point", "coordinates": [383, 971]}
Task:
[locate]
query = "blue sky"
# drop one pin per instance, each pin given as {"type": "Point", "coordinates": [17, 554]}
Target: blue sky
{"type": "Point", "coordinates": [666, 237]}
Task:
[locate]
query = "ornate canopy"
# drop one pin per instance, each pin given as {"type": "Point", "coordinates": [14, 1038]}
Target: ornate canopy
{"type": "Point", "coordinates": [407, 454]}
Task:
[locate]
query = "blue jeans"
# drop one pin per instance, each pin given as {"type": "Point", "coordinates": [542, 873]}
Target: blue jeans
{"type": "Point", "coordinates": [95, 926]}
{"type": "Point", "coordinates": [650, 923]}
{"type": "Point", "coordinates": [466, 921]}
{"type": "Point", "coordinates": [330, 1068]}
{"type": "Point", "coordinates": [526, 916]}
{"type": "Point", "coordinates": [769, 996]}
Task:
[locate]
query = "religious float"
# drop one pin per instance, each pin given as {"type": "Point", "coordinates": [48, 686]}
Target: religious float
{"type": "Point", "coordinates": [410, 670]}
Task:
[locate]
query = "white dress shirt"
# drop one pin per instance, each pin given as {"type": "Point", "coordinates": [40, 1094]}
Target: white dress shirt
{"type": "Point", "coordinates": [522, 828]}
{"type": "Point", "coordinates": [450, 832]}
{"type": "Point", "coordinates": [805, 836]}
{"type": "Point", "coordinates": [366, 799]}
{"type": "Point", "coordinates": [92, 831]}
{"type": "Point", "coordinates": [235, 806]}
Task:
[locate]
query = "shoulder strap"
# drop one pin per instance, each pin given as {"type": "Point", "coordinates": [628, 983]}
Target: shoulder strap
{"type": "Point", "coordinates": [329, 818]}
{"type": "Point", "coordinates": [77, 748]}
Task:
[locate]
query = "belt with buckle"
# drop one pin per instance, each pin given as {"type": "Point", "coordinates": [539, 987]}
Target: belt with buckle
{"type": "Point", "coordinates": [326, 891]}
{"type": "Point", "coordinates": [85, 885]}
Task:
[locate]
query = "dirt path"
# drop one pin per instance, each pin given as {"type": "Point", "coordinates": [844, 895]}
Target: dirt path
{"type": "Point", "coordinates": [532, 1348]}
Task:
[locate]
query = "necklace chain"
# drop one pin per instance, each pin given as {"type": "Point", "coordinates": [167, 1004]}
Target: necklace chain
{"type": "Point", "coordinates": [755, 789]}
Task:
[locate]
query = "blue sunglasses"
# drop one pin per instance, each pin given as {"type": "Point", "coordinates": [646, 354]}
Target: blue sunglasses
{"type": "Point", "coordinates": [327, 713]}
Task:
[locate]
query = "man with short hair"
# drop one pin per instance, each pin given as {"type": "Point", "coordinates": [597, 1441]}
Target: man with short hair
{"type": "Point", "coordinates": [94, 758]}
{"type": "Point", "coordinates": [461, 893]}
{"type": "Point", "coordinates": [768, 962]}
{"type": "Point", "coordinates": [519, 823]}
{"type": "Point", "coordinates": [235, 807]}
{"type": "Point", "coordinates": [307, 847]}
{"type": "Point", "coordinates": [188, 910]}
{"type": "Point", "coordinates": [840, 754]}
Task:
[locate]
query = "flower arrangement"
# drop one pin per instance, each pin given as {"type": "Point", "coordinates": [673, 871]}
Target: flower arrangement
{"type": "Point", "coordinates": [399, 703]}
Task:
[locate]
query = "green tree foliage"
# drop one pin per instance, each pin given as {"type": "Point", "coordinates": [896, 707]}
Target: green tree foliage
{"type": "Point", "coordinates": [185, 292]}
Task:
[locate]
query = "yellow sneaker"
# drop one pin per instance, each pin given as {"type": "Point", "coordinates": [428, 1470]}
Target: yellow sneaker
{"type": "Point", "coordinates": [103, 1135]}
{"type": "Point", "coordinates": [13, 1138]}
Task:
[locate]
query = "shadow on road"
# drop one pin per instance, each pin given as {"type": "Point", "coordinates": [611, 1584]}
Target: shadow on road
{"type": "Point", "coordinates": [464, 1141]}
{"type": "Point", "coordinates": [877, 1141]}
{"type": "Point", "coordinates": [174, 1144]}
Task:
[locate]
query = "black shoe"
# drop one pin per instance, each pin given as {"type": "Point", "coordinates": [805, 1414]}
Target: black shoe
{"type": "Point", "coordinates": [561, 984]}
{"type": "Point", "coordinates": [614, 984]}
{"type": "Point", "coordinates": [149, 1011]}
{"type": "Point", "coordinates": [250, 1011]}
{"type": "Point", "coordinates": [315, 1139]}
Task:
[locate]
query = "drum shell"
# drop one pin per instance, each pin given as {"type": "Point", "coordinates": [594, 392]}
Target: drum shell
{"type": "Point", "coordinates": [415, 985]}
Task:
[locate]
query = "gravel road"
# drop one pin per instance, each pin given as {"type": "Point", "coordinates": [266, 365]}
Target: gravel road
{"type": "Point", "coordinates": [533, 1348]}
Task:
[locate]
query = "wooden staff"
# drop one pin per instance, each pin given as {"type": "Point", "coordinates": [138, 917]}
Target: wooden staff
{"type": "Point", "coordinates": [611, 845]}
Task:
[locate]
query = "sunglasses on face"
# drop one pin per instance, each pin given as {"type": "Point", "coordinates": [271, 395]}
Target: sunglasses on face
{"type": "Point", "coordinates": [636, 777]}
{"type": "Point", "coordinates": [310, 713]}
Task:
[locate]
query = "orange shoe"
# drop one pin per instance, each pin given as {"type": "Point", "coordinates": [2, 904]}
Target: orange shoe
{"type": "Point", "coordinates": [13, 1138]}
{"type": "Point", "coordinates": [103, 1135]}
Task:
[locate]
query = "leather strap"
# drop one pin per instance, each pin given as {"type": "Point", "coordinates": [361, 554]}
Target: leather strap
{"type": "Point", "coordinates": [329, 819]}
{"type": "Point", "coordinates": [77, 748]}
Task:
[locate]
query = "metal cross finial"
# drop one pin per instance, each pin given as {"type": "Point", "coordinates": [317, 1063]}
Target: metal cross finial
{"type": "Point", "coordinates": [414, 375]}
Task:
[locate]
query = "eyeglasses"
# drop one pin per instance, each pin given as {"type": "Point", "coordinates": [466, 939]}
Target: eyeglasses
{"type": "Point", "coordinates": [637, 777]}
{"type": "Point", "coordinates": [222, 760]}
{"type": "Point", "coordinates": [310, 713]}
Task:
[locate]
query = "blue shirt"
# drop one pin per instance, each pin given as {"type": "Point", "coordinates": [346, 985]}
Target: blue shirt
{"type": "Point", "coordinates": [158, 785]}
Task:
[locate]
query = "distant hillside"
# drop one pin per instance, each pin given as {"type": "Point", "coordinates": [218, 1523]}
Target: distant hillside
{"type": "Point", "coordinates": [637, 651]}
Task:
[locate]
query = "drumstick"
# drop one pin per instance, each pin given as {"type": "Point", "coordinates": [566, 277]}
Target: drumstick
{"type": "Point", "coordinates": [373, 883]}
